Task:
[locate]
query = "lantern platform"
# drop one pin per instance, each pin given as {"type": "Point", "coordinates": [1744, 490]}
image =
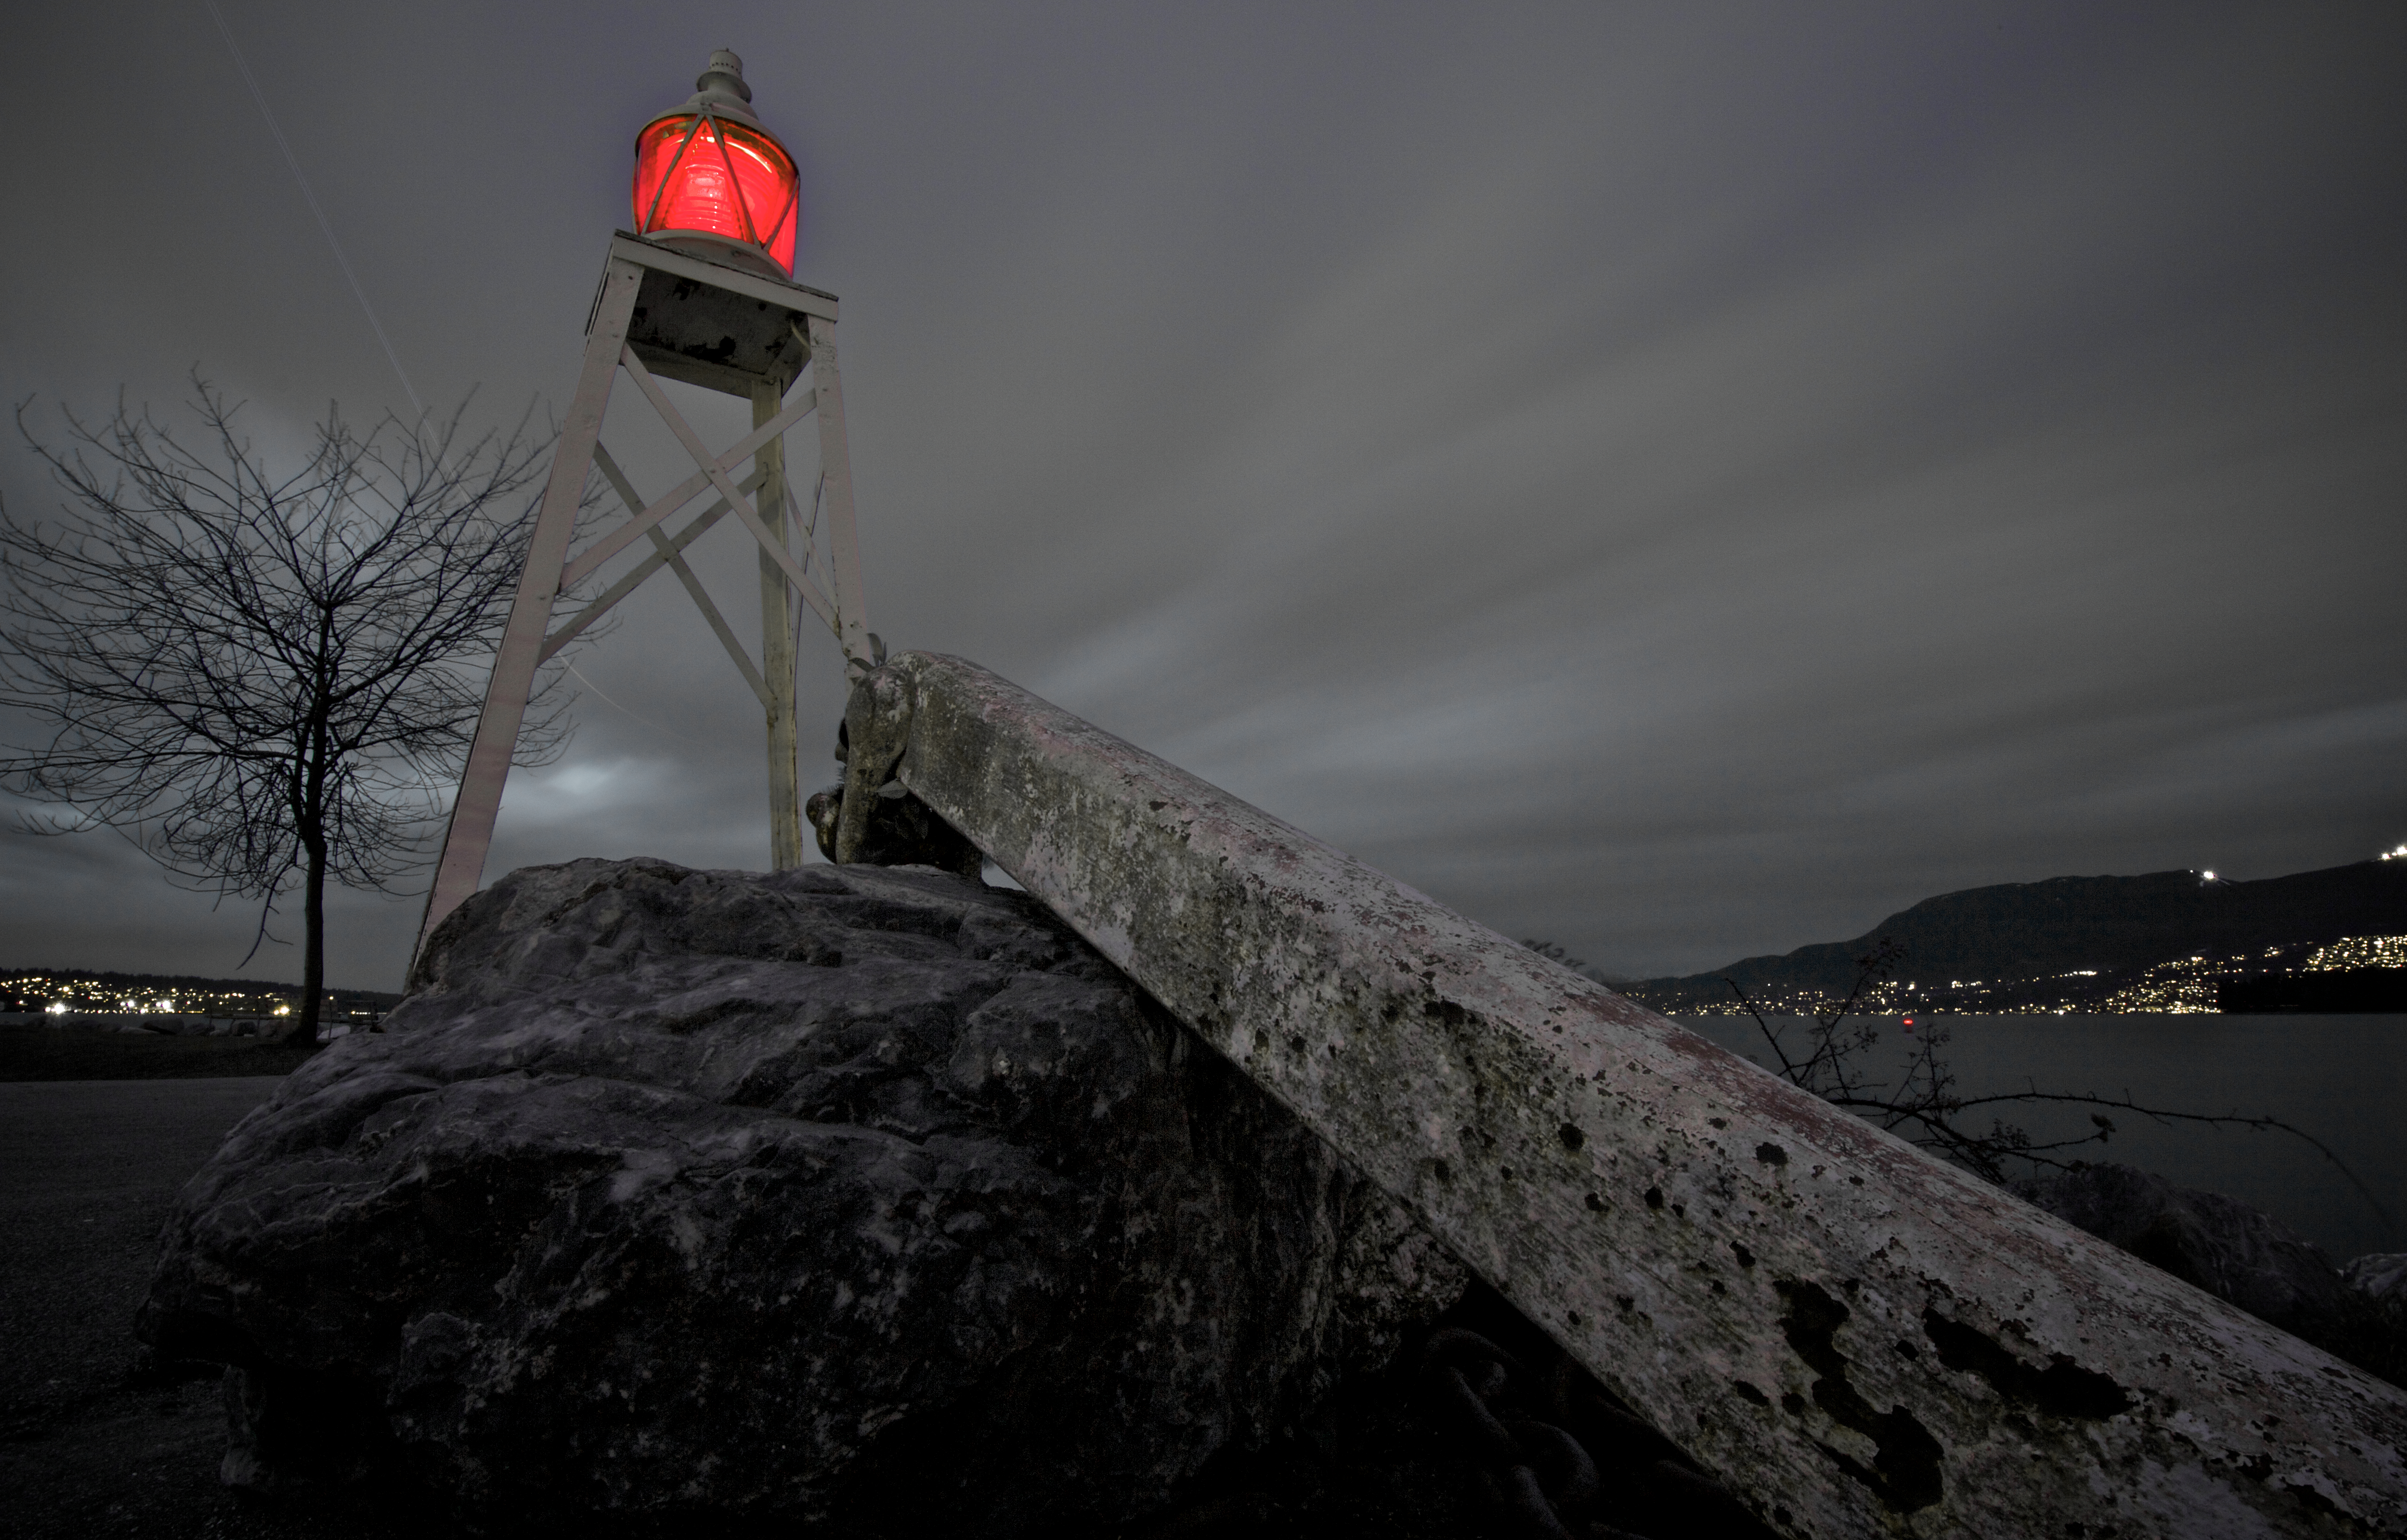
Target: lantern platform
{"type": "Point", "coordinates": [706, 323]}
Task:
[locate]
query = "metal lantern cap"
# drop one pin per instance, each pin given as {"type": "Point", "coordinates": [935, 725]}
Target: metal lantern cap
{"type": "Point", "coordinates": [711, 178]}
{"type": "Point", "coordinates": [720, 87]}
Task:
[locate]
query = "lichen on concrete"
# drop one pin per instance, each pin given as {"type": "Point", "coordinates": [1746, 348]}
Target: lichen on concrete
{"type": "Point", "coordinates": [1857, 1338]}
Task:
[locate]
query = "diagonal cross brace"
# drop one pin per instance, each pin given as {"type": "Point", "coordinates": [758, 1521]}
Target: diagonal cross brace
{"type": "Point", "coordinates": [668, 553]}
{"type": "Point", "coordinates": [589, 560]}
{"type": "Point", "coordinates": [717, 471]}
{"type": "Point", "coordinates": [602, 604]}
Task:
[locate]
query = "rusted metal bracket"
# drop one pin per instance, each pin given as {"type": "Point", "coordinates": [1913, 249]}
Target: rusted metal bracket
{"type": "Point", "coordinates": [1858, 1338]}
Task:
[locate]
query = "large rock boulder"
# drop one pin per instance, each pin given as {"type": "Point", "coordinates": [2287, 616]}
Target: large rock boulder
{"type": "Point", "coordinates": [2380, 1276]}
{"type": "Point", "coordinates": [2223, 1246]}
{"type": "Point", "coordinates": [867, 1196]}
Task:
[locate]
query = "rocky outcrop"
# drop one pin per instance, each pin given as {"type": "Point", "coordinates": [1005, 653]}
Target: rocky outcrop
{"type": "Point", "coordinates": [2245, 1256]}
{"type": "Point", "coordinates": [863, 1195]}
{"type": "Point", "coordinates": [2222, 1244]}
{"type": "Point", "coordinates": [2379, 1275]}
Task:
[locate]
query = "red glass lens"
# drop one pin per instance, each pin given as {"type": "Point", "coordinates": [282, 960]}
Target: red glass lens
{"type": "Point", "coordinates": [693, 173]}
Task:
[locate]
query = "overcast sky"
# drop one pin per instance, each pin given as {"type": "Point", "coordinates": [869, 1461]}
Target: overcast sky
{"type": "Point", "coordinates": [1684, 481]}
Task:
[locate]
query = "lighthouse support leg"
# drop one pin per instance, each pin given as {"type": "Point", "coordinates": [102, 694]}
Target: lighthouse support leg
{"type": "Point", "coordinates": [778, 643]}
{"type": "Point", "coordinates": [835, 469]}
{"type": "Point", "coordinates": [479, 799]}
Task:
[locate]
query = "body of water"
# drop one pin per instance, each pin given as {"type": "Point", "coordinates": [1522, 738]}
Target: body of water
{"type": "Point", "coordinates": [2343, 1079]}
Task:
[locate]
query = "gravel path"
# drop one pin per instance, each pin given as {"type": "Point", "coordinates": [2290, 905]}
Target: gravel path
{"type": "Point", "coordinates": [92, 1441]}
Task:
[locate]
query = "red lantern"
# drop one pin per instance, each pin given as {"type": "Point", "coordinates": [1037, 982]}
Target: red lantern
{"type": "Point", "coordinates": [710, 179]}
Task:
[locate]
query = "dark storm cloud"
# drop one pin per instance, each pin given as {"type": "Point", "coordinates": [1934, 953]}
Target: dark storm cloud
{"type": "Point", "coordinates": [1685, 483]}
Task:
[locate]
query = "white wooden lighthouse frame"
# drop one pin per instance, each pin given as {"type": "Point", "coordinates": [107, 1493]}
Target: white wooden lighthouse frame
{"type": "Point", "coordinates": [667, 314]}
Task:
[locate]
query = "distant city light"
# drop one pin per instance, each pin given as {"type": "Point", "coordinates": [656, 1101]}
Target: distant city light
{"type": "Point", "coordinates": [58, 1008]}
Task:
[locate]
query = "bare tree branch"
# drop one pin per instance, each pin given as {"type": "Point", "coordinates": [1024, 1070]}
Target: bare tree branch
{"type": "Point", "coordinates": [264, 681]}
{"type": "Point", "coordinates": [1925, 1108]}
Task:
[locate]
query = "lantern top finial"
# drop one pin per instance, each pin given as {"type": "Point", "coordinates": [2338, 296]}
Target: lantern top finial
{"type": "Point", "coordinates": [720, 88]}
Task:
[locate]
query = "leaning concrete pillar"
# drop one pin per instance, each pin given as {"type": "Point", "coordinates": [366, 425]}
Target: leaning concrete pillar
{"type": "Point", "coordinates": [1857, 1338]}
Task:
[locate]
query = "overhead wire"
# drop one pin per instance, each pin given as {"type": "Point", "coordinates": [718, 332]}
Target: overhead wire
{"type": "Point", "coordinates": [622, 710]}
{"type": "Point", "coordinates": [326, 226]}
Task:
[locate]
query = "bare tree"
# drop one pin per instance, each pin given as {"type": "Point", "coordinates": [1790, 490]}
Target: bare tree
{"type": "Point", "coordinates": [1925, 1108]}
{"type": "Point", "coordinates": [263, 680]}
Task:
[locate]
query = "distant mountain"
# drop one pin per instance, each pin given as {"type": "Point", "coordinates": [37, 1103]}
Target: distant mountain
{"type": "Point", "coordinates": [2111, 925]}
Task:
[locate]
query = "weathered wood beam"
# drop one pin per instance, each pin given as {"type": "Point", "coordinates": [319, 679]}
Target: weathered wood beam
{"type": "Point", "coordinates": [1859, 1338]}
{"type": "Point", "coordinates": [720, 476]}
{"type": "Point", "coordinates": [633, 577]}
{"type": "Point", "coordinates": [619, 536]}
{"type": "Point", "coordinates": [672, 553]}
{"type": "Point", "coordinates": [778, 643]}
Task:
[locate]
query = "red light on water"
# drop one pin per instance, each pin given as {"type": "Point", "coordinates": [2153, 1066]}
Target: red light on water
{"type": "Point", "coordinates": [694, 172]}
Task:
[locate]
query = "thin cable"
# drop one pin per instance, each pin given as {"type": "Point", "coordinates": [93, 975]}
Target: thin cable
{"type": "Point", "coordinates": [343, 262]}
{"type": "Point", "coordinates": [598, 691]}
